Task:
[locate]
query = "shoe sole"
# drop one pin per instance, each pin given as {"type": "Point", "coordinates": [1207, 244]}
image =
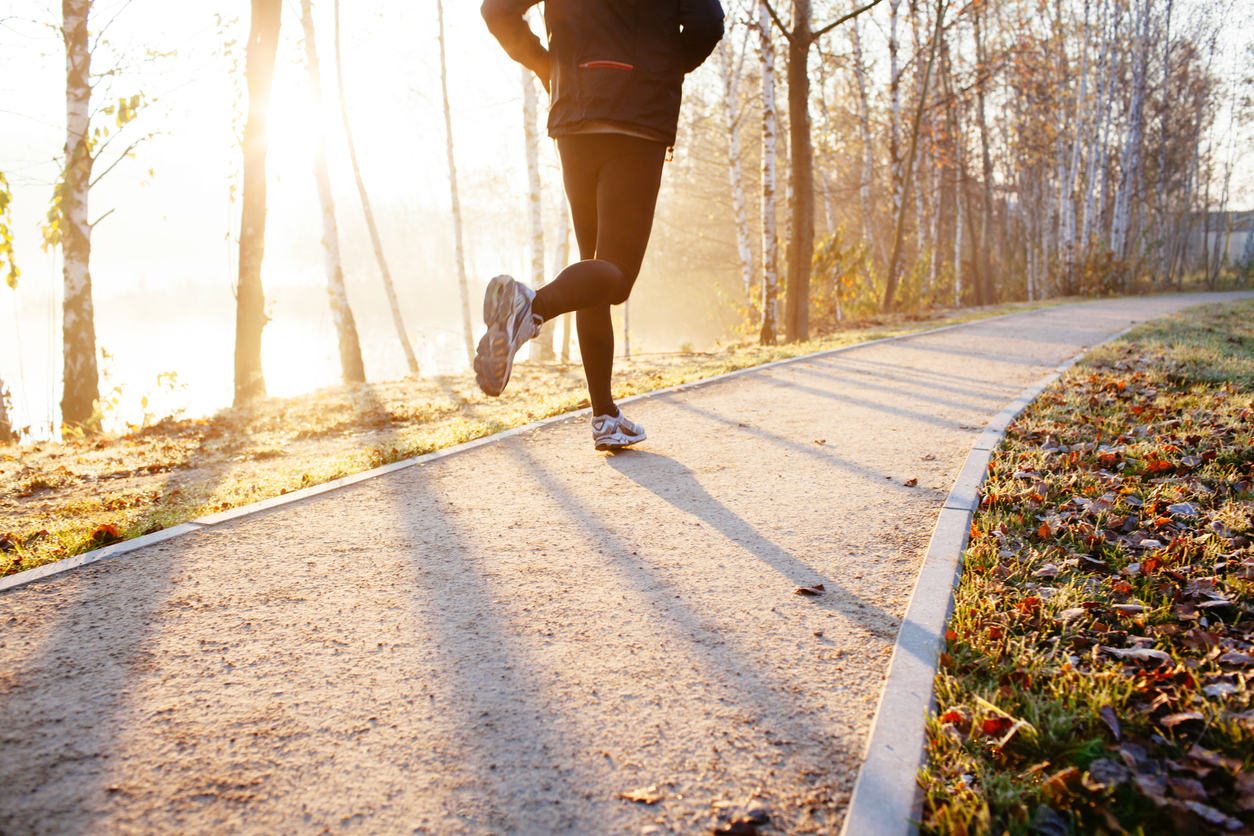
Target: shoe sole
{"type": "Point", "coordinates": [627, 441]}
{"type": "Point", "coordinates": [493, 377]}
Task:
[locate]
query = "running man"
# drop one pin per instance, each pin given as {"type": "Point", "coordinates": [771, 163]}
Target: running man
{"type": "Point", "coordinates": [614, 71]}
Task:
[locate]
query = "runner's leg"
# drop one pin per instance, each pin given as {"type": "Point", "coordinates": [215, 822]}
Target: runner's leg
{"type": "Point", "coordinates": [611, 182]}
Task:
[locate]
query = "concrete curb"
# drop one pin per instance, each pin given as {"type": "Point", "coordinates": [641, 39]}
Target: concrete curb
{"type": "Point", "coordinates": [887, 799]}
{"type": "Point", "coordinates": [116, 550]}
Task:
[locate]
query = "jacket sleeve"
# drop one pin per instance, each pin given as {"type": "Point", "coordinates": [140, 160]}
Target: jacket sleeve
{"type": "Point", "coordinates": [505, 22]}
{"type": "Point", "coordinates": [702, 22]}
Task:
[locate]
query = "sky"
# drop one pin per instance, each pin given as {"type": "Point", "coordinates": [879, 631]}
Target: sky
{"type": "Point", "coordinates": [165, 261]}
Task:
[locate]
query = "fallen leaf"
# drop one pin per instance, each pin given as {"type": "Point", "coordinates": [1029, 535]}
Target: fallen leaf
{"type": "Point", "coordinates": [1189, 789]}
{"type": "Point", "coordinates": [813, 591]}
{"type": "Point", "coordinates": [1044, 531]}
{"type": "Point", "coordinates": [910, 483]}
{"type": "Point", "coordinates": [1206, 756]}
{"type": "Point", "coordinates": [1212, 816]}
{"type": "Point", "coordinates": [1046, 822]}
{"type": "Point", "coordinates": [996, 726]}
{"type": "Point", "coordinates": [1140, 654]}
{"type": "Point", "coordinates": [1104, 773]}
{"type": "Point", "coordinates": [1110, 719]}
{"type": "Point", "coordinates": [1173, 720]}
{"type": "Point", "coordinates": [1049, 570]}
{"type": "Point", "coordinates": [1183, 509]}
{"type": "Point", "coordinates": [643, 795]}
{"type": "Point", "coordinates": [820, 441]}
{"type": "Point", "coordinates": [1236, 657]}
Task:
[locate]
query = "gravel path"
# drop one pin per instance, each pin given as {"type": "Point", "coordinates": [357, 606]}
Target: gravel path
{"type": "Point", "coordinates": [504, 640]}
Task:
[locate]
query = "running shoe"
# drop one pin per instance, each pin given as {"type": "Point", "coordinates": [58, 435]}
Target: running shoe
{"type": "Point", "coordinates": [615, 433]}
{"type": "Point", "coordinates": [507, 313]}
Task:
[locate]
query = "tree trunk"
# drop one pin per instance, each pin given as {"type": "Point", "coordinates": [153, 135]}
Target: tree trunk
{"type": "Point", "coordinates": [7, 434]}
{"type": "Point", "coordinates": [560, 260]}
{"type": "Point", "coordinates": [770, 231]}
{"type": "Point", "coordinates": [397, 320]}
{"type": "Point", "coordinates": [732, 119]}
{"type": "Point", "coordinates": [894, 105]}
{"type": "Point", "coordinates": [985, 287]}
{"type": "Point", "coordinates": [459, 251]}
{"type": "Point", "coordinates": [1131, 158]}
{"type": "Point", "coordinates": [1097, 136]}
{"type": "Point", "coordinates": [81, 378]}
{"type": "Point", "coordinates": [531, 135]}
{"type": "Point", "coordinates": [801, 177]}
{"type": "Point", "coordinates": [250, 307]}
{"type": "Point", "coordinates": [890, 287]}
{"type": "Point", "coordinates": [868, 150]}
{"type": "Point", "coordinates": [351, 367]}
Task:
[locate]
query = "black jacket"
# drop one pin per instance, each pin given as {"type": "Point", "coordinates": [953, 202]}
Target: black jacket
{"type": "Point", "coordinates": [620, 62]}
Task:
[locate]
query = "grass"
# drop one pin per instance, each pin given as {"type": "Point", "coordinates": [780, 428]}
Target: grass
{"type": "Point", "coordinates": [62, 499]}
{"type": "Point", "coordinates": [1100, 660]}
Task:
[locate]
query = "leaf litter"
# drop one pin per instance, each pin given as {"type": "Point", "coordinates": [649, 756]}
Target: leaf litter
{"type": "Point", "coordinates": [1106, 602]}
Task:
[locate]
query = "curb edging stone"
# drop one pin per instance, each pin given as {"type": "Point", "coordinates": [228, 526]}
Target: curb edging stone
{"type": "Point", "coordinates": [887, 799]}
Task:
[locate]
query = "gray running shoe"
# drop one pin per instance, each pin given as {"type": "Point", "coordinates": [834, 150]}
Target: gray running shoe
{"type": "Point", "coordinates": [612, 433]}
{"type": "Point", "coordinates": [507, 313]}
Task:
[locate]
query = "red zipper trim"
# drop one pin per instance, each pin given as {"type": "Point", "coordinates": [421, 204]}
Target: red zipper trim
{"type": "Point", "coordinates": [613, 65]}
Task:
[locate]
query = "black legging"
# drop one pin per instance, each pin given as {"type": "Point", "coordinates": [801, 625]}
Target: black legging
{"type": "Point", "coordinates": [612, 183]}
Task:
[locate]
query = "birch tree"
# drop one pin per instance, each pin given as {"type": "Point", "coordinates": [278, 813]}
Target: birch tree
{"type": "Point", "coordinates": [80, 376]}
{"type": "Point", "coordinates": [459, 250]}
{"type": "Point", "coordinates": [351, 367]}
{"type": "Point", "coordinates": [250, 307]}
{"type": "Point", "coordinates": [867, 182]}
{"type": "Point", "coordinates": [800, 37]}
{"type": "Point", "coordinates": [398, 321]}
{"type": "Point", "coordinates": [561, 258]}
{"type": "Point", "coordinates": [731, 82]}
{"type": "Point", "coordinates": [531, 135]}
{"type": "Point", "coordinates": [770, 231]}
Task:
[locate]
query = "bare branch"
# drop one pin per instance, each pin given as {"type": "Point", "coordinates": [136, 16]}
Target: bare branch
{"type": "Point", "coordinates": [114, 164]}
{"type": "Point", "coordinates": [101, 218]}
{"type": "Point", "coordinates": [818, 33]}
{"type": "Point", "coordinates": [782, 28]}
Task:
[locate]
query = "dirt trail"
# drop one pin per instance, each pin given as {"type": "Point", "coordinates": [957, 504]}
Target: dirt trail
{"type": "Point", "coordinates": [503, 640]}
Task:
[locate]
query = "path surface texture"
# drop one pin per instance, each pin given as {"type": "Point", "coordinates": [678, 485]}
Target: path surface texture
{"type": "Point", "coordinates": [504, 640]}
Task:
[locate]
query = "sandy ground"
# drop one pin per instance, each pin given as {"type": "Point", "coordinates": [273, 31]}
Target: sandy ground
{"type": "Point", "coordinates": [504, 640]}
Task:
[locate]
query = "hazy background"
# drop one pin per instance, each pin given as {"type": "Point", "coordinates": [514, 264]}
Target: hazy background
{"type": "Point", "coordinates": [164, 262]}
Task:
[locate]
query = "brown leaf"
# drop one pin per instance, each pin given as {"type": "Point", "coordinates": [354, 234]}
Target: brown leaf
{"type": "Point", "coordinates": [812, 591]}
{"type": "Point", "coordinates": [642, 795]}
{"type": "Point", "coordinates": [1236, 657]}
{"type": "Point", "coordinates": [1212, 816]}
{"type": "Point", "coordinates": [910, 483]}
{"type": "Point", "coordinates": [1206, 756]}
{"type": "Point", "coordinates": [1110, 719]}
{"type": "Point", "coordinates": [1189, 789]}
{"type": "Point", "coordinates": [1063, 783]}
{"type": "Point", "coordinates": [1044, 531]}
{"type": "Point", "coordinates": [1173, 720]}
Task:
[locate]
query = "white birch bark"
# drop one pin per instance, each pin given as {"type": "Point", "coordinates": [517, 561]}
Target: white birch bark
{"type": "Point", "coordinates": [398, 321]}
{"type": "Point", "coordinates": [561, 258]}
{"type": "Point", "coordinates": [770, 232]}
{"type": "Point", "coordinates": [351, 367]}
{"type": "Point", "coordinates": [1097, 134]}
{"type": "Point", "coordinates": [868, 149]}
{"type": "Point", "coordinates": [531, 134]}
{"type": "Point", "coordinates": [1131, 159]}
{"type": "Point", "coordinates": [7, 434]}
{"type": "Point", "coordinates": [894, 99]}
{"type": "Point", "coordinates": [459, 250]}
{"type": "Point", "coordinates": [1068, 232]}
{"type": "Point", "coordinates": [80, 376]}
{"type": "Point", "coordinates": [731, 119]}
